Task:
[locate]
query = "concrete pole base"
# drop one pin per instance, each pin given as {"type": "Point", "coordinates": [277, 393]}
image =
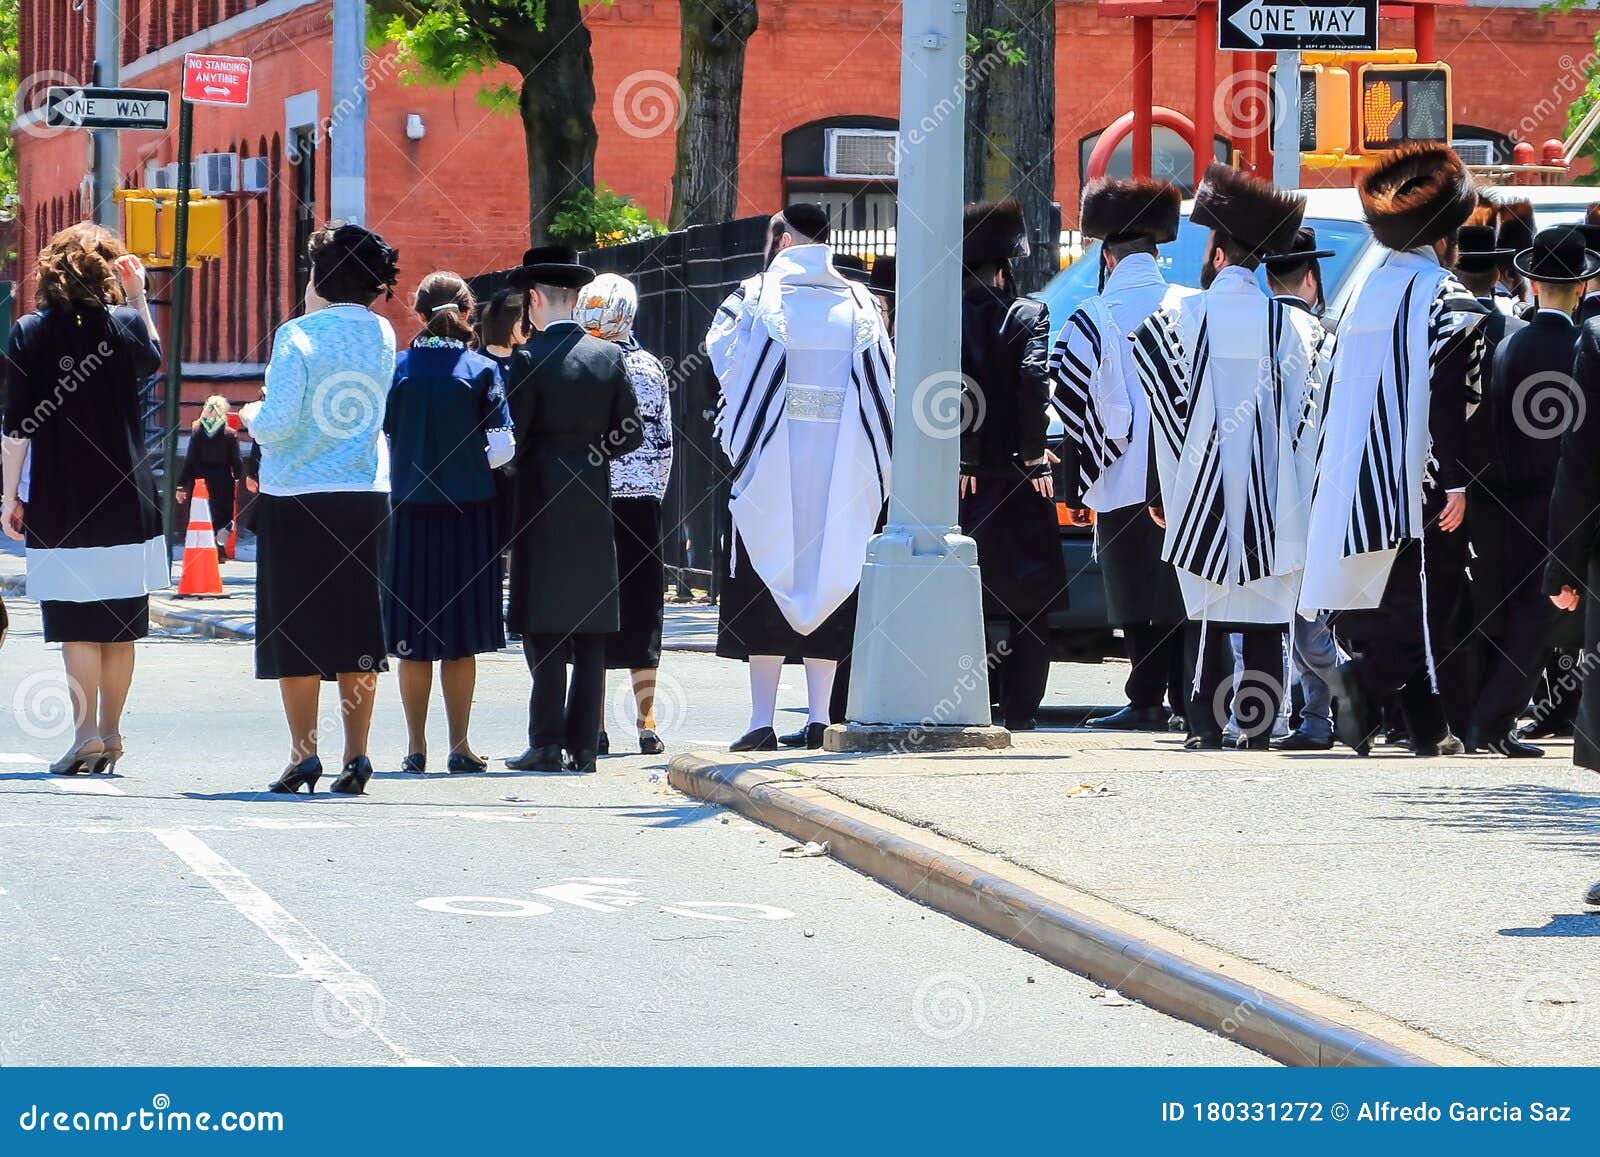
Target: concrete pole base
{"type": "Point", "coordinates": [912, 738]}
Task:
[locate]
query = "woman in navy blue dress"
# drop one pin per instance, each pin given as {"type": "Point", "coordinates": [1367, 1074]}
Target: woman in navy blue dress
{"type": "Point", "coordinates": [449, 430]}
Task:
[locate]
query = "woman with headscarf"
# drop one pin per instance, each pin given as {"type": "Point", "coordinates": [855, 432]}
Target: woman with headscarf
{"type": "Point", "coordinates": [322, 511]}
{"type": "Point", "coordinates": [77, 485]}
{"type": "Point", "coordinates": [448, 430]}
{"type": "Point", "coordinates": [606, 309]}
{"type": "Point", "coordinates": [213, 457]}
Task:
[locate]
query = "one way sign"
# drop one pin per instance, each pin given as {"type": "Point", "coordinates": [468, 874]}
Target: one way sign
{"type": "Point", "coordinates": [106, 108]}
{"type": "Point", "coordinates": [1297, 25]}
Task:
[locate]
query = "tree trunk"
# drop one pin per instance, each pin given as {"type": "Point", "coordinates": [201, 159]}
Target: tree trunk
{"type": "Point", "coordinates": [1011, 123]}
{"type": "Point", "coordinates": [557, 108]}
{"type": "Point", "coordinates": [705, 178]}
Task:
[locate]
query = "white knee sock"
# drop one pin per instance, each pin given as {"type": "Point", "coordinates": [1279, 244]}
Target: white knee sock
{"type": "Point", "coordinates": [819, 688]}
{"type": "Point", "coordinates": [765, 671]}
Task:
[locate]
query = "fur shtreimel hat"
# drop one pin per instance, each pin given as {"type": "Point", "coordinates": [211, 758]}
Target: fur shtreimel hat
{"type": "Point", "coordinates": [1115, 210]}
{"type": "Point", "coordinates": [993, 233]}
{"type": "Point", "coordinates": [1416, 195]}
{"type": "Point", "coordinates": [1515, 221]}
{"type": "Point", "coordinates": [1257, 214]}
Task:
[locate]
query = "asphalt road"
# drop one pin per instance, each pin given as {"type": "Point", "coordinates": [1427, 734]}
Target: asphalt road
{"type": "Point", "coordinates": [177, 915]}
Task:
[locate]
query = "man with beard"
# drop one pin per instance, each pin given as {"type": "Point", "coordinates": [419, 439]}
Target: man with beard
{"type": "Point", "coordinates": [1107, 447]}
{"type": "Point", "coordinates": [1231, 377]}
{"type": "Point", "coordinates": [1390, 497]}
{"type": "Point", "coordinates": [1006, 485]}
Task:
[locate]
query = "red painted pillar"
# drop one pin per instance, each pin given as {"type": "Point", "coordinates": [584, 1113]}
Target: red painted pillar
{"type": "Point", "coordinates": [1422, 16]}
{"type": "Point", "coordinates": [1144, 92]}
{"type": "Point", "coordinates": [1205, 85]}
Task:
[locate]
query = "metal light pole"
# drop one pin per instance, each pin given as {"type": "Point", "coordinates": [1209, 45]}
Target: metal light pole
{"type": "Point", "coordinates": [1286, 130]}
{"type": "Point", "coordinates": [106, 146]}
{"type": "Point", "coordinates": [918, 674]}
{"type": "Point", "coordinates": [348, 128]}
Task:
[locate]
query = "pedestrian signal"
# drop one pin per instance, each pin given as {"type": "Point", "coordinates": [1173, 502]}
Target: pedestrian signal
{"type": "Point", "coordinates": [1324, 108]}
{"type": "Point", "coordinates": [150, 226]}
{"type": "Point", "coordinates": [1404, 102]}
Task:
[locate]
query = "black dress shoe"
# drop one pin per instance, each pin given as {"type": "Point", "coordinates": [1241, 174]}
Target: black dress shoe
{"type": "Point", "coordinates": [1449, 745]}
{"type": "Point", "coordinates": [814, 732]}
{"type": "Point", "coordinates": [1512, 747]}
{"type": "Point", "coordinates": [1546, 730]}
{"type": "Point", "coordinates": [1022, 725]}
{"type": "Point", "coordinates": [793, 738]}
{"type": "Point", "coordinates": [1203, 743]}
{"type": "Point", "coordinates": [297, 775]}
{"type": "Point", "coordinates": [1131, 719]}
{"type": "Point", "coordinates": [414, 764]}
{"type": "Point", "coordinates": [459, 764]}
{"type": "Point", "coordinates": [353, 779]}
{"type": "Point", "coordinates": [1303, 741]}
{"type": "Point", "coordinates": [583, 761]}
{"type": "Point", "coordinates": [1262, 742]}
{"type": "Point", "coordinates": [603, 746]}
{"type": "Point", "coordinates": [1353, 722]}
{"type": "Point", "coordinates": [537, 759]}
{"type": "Point", "coordinates": [760, 739]}
{"type": "Point", "coordinates": [650, 743]}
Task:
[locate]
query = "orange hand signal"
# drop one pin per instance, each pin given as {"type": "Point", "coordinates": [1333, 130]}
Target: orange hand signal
{"type": "Point", "coordinates": [1380, 111]}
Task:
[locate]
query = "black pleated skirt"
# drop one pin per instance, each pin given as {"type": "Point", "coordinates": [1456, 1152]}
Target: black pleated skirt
{"type": "Point", "coordinates": [108, 621]}
{"type": "Point", "coordinates": [641, 585]}
{"type": "Point", "coordinates": [750, 622]}
{"type": "Point", "coordinates": [319, 603]}
{"type": "Point", "coordinates": [442, 598]}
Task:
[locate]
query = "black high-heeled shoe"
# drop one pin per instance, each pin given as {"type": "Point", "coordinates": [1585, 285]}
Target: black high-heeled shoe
{"type": "Point", "coordinates": [459, 764]}
{"type": "Point", "coordinates": [650, 743]}
{"type": "Point", "coordinates": [296, 775]}
{"type": "Point", "coordinates": [353, 779]}
{"type": "Point", "coordinates": [414, 764]}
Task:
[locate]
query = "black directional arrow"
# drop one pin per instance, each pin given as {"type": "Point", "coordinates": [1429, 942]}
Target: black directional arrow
{"type": "Point", "coordinates": [107, 108]}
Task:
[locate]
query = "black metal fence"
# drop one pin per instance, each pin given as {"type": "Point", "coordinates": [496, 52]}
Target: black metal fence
{"type": "Point", "coordinates": [682, 277]}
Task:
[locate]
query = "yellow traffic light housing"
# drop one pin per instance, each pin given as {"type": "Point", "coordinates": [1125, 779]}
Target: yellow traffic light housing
{"type": "Point", "coordinates": [1404, 102]}
{"type": "Point", "coordinates": [150, 226]}
{"type": "Point", "coordinates": [1324, 108]}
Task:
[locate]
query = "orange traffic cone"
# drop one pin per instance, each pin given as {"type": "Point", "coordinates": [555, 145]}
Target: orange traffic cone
{"type": "Point", "coordinates": [201, 577]}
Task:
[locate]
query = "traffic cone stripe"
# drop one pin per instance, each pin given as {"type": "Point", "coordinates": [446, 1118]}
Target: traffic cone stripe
{"type": "Point", "coordinates": [201, 576]}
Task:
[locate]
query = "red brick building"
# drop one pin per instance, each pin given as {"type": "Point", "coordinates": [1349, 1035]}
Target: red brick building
{"type": "Point", "coordinates": [457, 198]}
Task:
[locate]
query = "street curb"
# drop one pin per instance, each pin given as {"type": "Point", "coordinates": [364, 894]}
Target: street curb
{"type": "Point", "coordinates": [1175, 974]}
{"type": "Point", "coordinates": [237, 627]}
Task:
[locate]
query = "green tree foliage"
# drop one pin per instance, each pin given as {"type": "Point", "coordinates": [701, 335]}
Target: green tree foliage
{"type": "Point", "coordinates": [8, 101]}
{"type": "Point", "coordinates": [594, 220]}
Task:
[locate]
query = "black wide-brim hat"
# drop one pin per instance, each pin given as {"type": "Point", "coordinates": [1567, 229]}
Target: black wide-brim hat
{"type": "Point", "coordinates": [1303, 249]}
{"type": "Point", "coordinates": [1478, 250]}
{"type": "Point", "coordinates": [881, 278]}
{"type": "Point", "coordinates": [850, 267]}
{"type": "Point", "coordinates": [1256, 214]}
{"type": "Point", "coordinates": [1559, 256]}
{"type": "Point", "coordinates": [555, 265]}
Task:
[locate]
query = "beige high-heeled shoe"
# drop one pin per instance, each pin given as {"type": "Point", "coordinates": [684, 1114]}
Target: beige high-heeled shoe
{"type": "Point", "coordinates": [81, 760]}
{"type": "Point", "coordinates": [113, 746]}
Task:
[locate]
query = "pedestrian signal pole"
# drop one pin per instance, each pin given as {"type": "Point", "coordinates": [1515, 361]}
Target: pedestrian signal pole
{"type": "Point", "coordinates": [179, 310]}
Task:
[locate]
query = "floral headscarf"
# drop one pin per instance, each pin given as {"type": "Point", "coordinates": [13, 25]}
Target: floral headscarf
{"type": "Point", "coordinates": [606, 307]}
{"type": "Point", "coordinates": [214, 414]}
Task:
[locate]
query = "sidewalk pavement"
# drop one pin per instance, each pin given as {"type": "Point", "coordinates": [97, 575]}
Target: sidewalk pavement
{"type": "Point", "coordinates": [1322, 908]}
{"type": "Point", "coordinates": [688, 626]}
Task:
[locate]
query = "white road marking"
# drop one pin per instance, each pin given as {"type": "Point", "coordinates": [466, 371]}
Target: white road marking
{"type": "Point", "coordinates": [697, 910]}
{"type": "Point", "coordinates": [21, 757]}
{"type": "Point", "coordinates": [471, 906]}
{"type": "Point", "coordinates": [353, 992]}
{"type": "Point", "coordinates": [82, 786]}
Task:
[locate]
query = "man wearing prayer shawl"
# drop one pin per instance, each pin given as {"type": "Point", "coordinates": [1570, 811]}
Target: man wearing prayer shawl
{"type": "Point", "coordinates": [1390, 497]}
{"type": "Point", "coordinates": [806, 371]}
{"type": "Point", "coordinates": [1232, 377]}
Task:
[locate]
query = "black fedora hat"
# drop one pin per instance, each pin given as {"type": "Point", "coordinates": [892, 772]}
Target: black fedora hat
{"type": "Point", "coordinates": [1477, 249]}
{"type": "Point", "coordinates": [1302, 249]}
{"type": "Point", "coordinates": [850, 267]}
{"type": "Point", "coordinates": [556, 265]}
{"type": "Point", "coordinates": [1559, 255]}
{"type": "Point", "coordinates": [1591, 237]}
{"type": "Point", "coordinates": [881, 279]}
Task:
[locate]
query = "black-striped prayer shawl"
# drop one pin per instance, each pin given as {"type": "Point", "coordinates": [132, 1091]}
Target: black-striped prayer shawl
{"type": "Point", "coordinates": [1076, 400]}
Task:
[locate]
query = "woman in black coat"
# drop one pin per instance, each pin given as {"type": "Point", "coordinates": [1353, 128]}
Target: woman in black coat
{"type": "Point", "coordinates": [213, 456]}
{"type": "Point", "coordinates": [573, 410]}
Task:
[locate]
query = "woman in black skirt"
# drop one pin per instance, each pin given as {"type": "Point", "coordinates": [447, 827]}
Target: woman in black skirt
{"type": "Point", "coordinates": [502, 327]}
{"type": "Point", "coordinates": [448, 430]}
{"type": "Point", "coordinates": [87, 505]}
{"type": "Point", "coordinates": [606, 308]}
{"type": "Point", "coordinates": [322, 510]}
{"type": "Point", "coordinates": [213, 456]}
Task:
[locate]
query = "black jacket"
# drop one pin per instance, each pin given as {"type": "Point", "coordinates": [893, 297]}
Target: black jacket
{"type": "Point", "coordinates": [1005, 353]}
{"type": "Point", "coordinates": [573, 410]}
{"type": "Point", "coordinates": [1575, 498]}
{"type": "Point", "coordinates": [1481, 438]}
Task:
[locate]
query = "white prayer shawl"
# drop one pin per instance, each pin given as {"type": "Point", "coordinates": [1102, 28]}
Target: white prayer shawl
{"type": "Point", "coordinates": [1374, 448]}
{"type": "Point", "coordinates": [771, 343]}
{"type": "Point", "coordinates": [1232, 378]}
{"type": "Point", "coordinates": [1098, 396]}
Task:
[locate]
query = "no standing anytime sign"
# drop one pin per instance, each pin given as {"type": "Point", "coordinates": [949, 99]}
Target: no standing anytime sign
{"type": "Point", "coordinates": [211, 79]}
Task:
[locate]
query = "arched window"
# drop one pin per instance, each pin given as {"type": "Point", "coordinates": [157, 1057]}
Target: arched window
{"type": "Point", "coordinates": [848, 165]}
{"type": "Point", "coordinates": [261, 209]}
{"type": "Point", "coordinates": [1171, 158]}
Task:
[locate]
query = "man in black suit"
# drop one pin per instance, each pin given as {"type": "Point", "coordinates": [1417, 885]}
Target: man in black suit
{"type": "Point", "coordinates": [1530, 401]}
{"type": "Point", "coordinates": [1589, 305]}
{"type": "Point", "coordinates": [573, 410]}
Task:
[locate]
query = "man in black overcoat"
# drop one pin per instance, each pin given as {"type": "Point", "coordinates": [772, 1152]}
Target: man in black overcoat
{"type": "Point", "coordinates": [573, 410]}
{"type": "Point", "coordinates": [1529, 402]}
